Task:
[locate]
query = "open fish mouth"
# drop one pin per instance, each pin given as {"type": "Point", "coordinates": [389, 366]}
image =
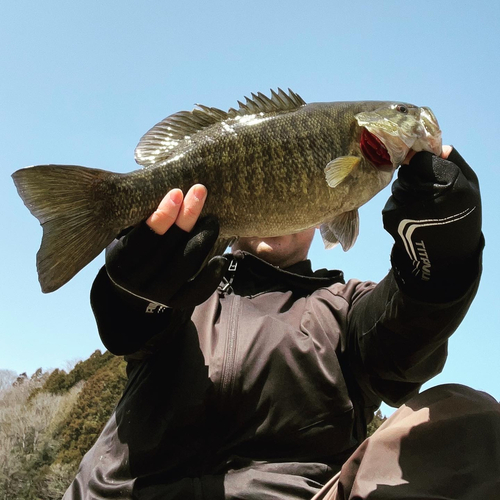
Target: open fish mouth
{"type": "Point", "coordinates": [398, 128]}
{"type": "Point", "coordinates": [375, 151]}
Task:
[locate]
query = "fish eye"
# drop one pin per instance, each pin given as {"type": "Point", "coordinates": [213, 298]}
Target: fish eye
{"type": "Point", "coordinates": [402, 108]}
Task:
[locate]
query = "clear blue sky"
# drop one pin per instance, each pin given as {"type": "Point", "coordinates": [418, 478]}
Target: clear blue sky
{"type": "Point", "coordinates": [82, 81]}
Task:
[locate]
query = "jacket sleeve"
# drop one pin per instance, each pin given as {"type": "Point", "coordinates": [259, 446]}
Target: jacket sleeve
{"type": "Point", "coordinates": [395, 342]}
{"type": "Point", "coordinates": [124, 327]}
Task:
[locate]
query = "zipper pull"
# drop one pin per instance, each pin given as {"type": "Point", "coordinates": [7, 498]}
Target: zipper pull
{"type": "Point", "coordinates": [225, 287]}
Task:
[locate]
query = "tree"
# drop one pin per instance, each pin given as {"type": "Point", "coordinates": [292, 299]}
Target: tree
{"type": "Point", "coordinates": [49, 420]}
{"type": "Point", "coordinates": [7, 378]}
{"type": "Point", "coordinates": [378, 420]}
{"type": "Point", "coordinates": [56, 480]}
{"type": "Point", "coordinates": [26, 443]}
{"type": "Point", "coordinates": [92, 410]}
{"type": "Point", "coordinates": [59, 381]}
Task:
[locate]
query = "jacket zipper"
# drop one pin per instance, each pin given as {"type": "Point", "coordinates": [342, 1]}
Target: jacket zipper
{"type": "Point", "coordinates": [228, 367]}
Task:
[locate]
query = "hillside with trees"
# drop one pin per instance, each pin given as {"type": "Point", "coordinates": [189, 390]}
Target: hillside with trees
{"type": "Point", "coordinates": [49, 420]}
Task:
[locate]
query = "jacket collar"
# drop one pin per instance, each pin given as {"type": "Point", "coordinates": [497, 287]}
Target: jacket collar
{"type": "Point", "coordinates": [254, 275]}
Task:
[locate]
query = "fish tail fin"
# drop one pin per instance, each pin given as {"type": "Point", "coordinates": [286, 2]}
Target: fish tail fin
{"type": "Point", "coordinates": [65, 201]}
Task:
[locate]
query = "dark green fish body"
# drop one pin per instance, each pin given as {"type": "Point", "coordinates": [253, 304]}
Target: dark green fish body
{"type": "Point", "coordinates": [274, 166]}
{"type": "Point", "coordinates": [278, 159]}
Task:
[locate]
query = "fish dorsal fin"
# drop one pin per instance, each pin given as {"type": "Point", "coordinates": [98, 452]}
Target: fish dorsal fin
{"type": "Point", "coordinates": [343, 229]}
{"type": "Point", "coordinates": [160, 141]}
{"type": "Point", "coordinates": [260, 103]}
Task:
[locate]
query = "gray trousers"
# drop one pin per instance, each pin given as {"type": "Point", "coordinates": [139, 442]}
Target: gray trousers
{"type": "Point", "coordinates": [442, 444]}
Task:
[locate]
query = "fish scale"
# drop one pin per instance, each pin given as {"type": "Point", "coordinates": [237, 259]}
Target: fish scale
{"type": "Point", "coordinates": [274, 166]}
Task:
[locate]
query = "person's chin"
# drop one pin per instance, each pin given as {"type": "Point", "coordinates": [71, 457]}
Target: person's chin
{"type": "Point", "coordinates": [281, 251]}
{"type": "Point", "coordinates": [271, 245]}
{"type": "Point", "coordinates": [268, 249]}
{"type": "Point", "coordinates": [275, 251]}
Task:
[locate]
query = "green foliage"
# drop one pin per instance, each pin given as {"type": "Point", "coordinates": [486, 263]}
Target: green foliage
{"type": "Point", "coordinates": [59, 381]}
{"type": "Point", "coordinates": [48, 421]}
{"type": "Point", "coordinates": [25, 445]}
{"type": "Point", "coordinates": [378, 420]}
{"type": "Point", "coordinates": [92, 410]}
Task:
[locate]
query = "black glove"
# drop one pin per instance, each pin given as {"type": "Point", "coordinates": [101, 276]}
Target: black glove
{"type": "Point", "coordinates": [434, 216]}
{"type": "Point", "coordinates": [160, 269]}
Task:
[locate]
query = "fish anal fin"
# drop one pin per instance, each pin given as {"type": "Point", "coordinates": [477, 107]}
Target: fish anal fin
{"type": "Point", "coordinates": [343, 229]}
{"type": "Point", "coordinates": [329, 238]}
{"type": "Point", "coordinates": [339, 168]}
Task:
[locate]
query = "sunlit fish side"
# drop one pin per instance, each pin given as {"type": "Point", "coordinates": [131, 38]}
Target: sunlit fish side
{"type": "Point", "coordinates": [274, 166]}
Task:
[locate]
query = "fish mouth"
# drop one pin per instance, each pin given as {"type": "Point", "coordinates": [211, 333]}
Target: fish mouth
{"type": "Point", "coordinates": [390, 132]}
{"type": "Point", "coordinates": [374, 151]}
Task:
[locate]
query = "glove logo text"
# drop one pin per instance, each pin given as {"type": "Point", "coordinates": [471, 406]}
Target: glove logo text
{"type": "Point", "coordinates": [416, 250]}
{"type": "Point", "coordinates": [423, 261]}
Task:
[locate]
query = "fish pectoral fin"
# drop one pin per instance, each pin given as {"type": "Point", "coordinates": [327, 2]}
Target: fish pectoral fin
{"type": "Point", "coordinates": [337, 170]}
{"type": "Point", "coordinates": [343, 229]}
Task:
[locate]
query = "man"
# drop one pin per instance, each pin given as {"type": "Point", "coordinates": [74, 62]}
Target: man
{"type": "Point", "coordinates": [256, 378]}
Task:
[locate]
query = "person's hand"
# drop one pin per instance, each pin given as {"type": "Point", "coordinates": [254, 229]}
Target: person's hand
{"type": "Point", "coordinates": [157, 260]}
{"type": "Point", "coordinates": [434, 216]}
{"type": "Point", "coordinates": [445, 152]}
{"type": "Point", "coordinates": [179, 210]}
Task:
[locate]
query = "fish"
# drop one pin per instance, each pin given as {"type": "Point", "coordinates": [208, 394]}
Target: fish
{"type": "Point", "coordinates": [272, 166]}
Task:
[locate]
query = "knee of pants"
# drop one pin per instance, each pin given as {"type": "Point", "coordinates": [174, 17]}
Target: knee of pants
{"type": "Point", "coordinates": [458, 397]}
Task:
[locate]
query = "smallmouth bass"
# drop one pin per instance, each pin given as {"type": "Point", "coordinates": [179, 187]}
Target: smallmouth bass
{"type": "Point", "coordinates": [274, 166]}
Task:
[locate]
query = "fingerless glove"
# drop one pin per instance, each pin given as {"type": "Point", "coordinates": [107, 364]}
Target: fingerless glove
{"type": "Point", "coordinates": [434, 216]}
{"type": "Point", "coordinates": [163, 269]}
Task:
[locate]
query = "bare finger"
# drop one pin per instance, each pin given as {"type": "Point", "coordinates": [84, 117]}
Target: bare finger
{"type": "Point", "coordinates": [191, 207]}
{"type": "Point", "coordinates": [167, 212]}
{"type": "Point", "coordinates": [446, 151]}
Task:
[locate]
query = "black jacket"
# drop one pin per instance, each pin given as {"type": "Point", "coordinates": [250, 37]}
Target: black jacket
{"type": "Point", "coordinates": [263, 390]}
